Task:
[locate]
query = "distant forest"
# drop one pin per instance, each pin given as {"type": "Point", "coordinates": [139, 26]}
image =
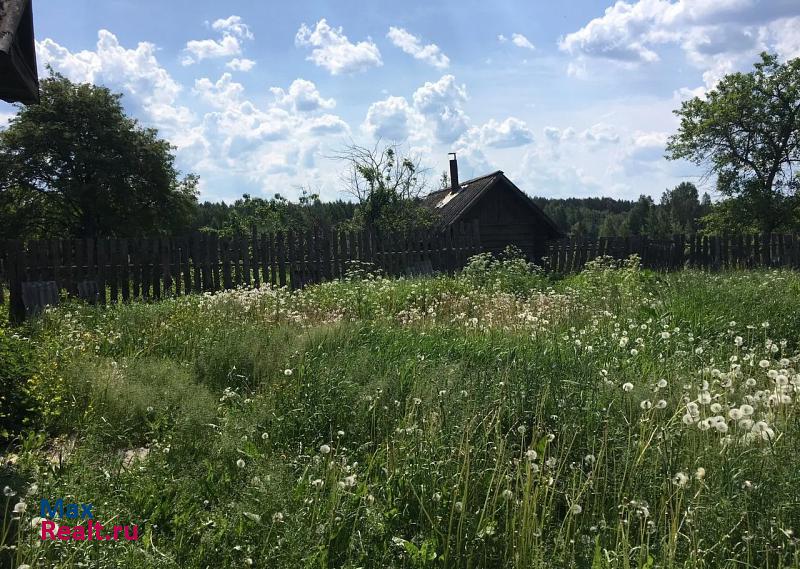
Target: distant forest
{"type": "Point", "coordinates": [677, 211]}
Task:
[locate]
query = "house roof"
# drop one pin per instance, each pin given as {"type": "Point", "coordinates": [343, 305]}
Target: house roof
{"type": "Point", "coordinates": [19, 79]}
{"type": "Point", "coordinates": [451, 205]}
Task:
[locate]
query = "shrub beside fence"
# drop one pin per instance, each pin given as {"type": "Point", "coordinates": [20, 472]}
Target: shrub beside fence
{"type": "Point", "coordinates": [696, 251]}
{"type": "Point", "coordinates": [115, 270]}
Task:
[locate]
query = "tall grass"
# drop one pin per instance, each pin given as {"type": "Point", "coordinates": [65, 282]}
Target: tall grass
{"type": "Point", "coordinates": [616, 418]}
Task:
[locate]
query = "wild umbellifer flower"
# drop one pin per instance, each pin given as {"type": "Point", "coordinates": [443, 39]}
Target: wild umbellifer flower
{"type": "Point", "coordinates": [240, 463]}
{"type": "Point", "coordinates": [324, 449]}
{"type": "Point", "coordinates": [627, 386]}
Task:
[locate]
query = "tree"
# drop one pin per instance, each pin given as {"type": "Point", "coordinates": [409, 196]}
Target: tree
{"type": "Point", "coordinates": [681, 208]}
{"type": "Point", "coordinates": [640, 216]}
{"type": "Point", "coordinates": [746, 133]}
{"type": "Point", "coordinates": [387, 184]}
{"type": "Point", "coordinates": [76, 165]}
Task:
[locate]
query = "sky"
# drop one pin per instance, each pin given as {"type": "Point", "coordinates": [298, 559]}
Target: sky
{"type": "Point", "coordinates": [569, 99]}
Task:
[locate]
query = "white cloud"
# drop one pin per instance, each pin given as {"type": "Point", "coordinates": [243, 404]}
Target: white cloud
{"type": "Point", "coordinates": [619, 34]}
{"type": "Point", "coordinates": [785, 36]}
{"type": "Point", "coordinates": [556, 135]}
{"type": "Point", "coordinates": [412, 45]}
{"type": "Point", "coordinates": [302, 96]}
{"type": "Point", "coordinates": [538, 174]}
{"type": "Point", "coordinates": [392, 119]}
{"type": "Point", "coordinates": [326, 124]}
{"type": "Point", "coordinates": [198, 50]}
{"type": "Point", "coordinates": [136, 72]}
{"type": "Point", "coordinates": [717, 36]}
{"type": "Point", "coordinates": [648, 146]}
{"type": "Point", "coordinates": [600, 133]}
{"type": "Point", "coordinates": [240, 64]}
{"type": "Point", "coordinates": [510, 133]}
{"type": "Point", "coordinates": [233, 25]}
{"type": "Point", "coordinates": [332, 50]}
{"type": "Point", "coordinates": [441, 102]}
{"type": "Point", "coordinates": [221, 93]}
{"type": "Point", "coordinates": [501, 38]}
{"type": "Point", "coordinates": [233, 30]}
{"type": "Point", "coordinates": [521, 41]}
{"type": "Point", "coordinates": [4, 118]}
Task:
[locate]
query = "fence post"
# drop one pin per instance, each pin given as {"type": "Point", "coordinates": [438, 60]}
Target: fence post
{"type": "Point", "coordinates": [766, 238]}
{"type": "Point", "coordinates": [16, 307]}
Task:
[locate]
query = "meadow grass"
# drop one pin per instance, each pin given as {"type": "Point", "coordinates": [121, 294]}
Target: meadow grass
{"type": "Point", "coordinates": [498, 418]}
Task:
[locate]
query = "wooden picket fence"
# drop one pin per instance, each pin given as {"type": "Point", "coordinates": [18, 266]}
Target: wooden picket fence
{"type": "Point", "coordinates": [696, 251]}
{"type": "Point", "coordinates": [118, 270]}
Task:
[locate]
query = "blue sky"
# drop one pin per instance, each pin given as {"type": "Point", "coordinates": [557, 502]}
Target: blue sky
{"type": "Point", "coordinates": [569, 99]}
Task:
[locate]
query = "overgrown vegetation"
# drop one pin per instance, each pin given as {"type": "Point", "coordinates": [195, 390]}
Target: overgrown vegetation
{"type": "Point", "coordinates": [616, 418]}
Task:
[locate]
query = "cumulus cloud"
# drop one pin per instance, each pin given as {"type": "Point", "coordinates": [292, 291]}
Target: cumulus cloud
{"type": "Point", "coordinates": [600, 133]}
{"type": "Point", "coordinates": [233, 25]}
{"type": "Point", "coordinates": [233, 30]}
{"type": "Point", "coordinates": [198, 50]}
{"type": "Point", "coordinates": [392, 119]}
{"type": "Point", "coordinates": [717, 36]}
{"type": "Point", "coordinates": [518, 40]}
{"type": "Point", "coordinates": [326, 124]}
{"type": "Point", "coordinates": [412, 45]}
{"type": "Point", "coordinates": [235, 144]}
{"type": "Point", "coordinates": [240, 64]}
{"type": "Point", "coordinates": [539, 174]}
{"type": "Point", "coordinates": [510, 133]}
{"type": "Point", "coordinates": [648, 146]}
{"type": "Point", "coordinates": [521, 41]}
{"type": "Point", "coordinates": [441, 102]}
{"type": "Point", "coordinates": [622, 33]}
{"type": "Point", "coordinates": [302, 96]}
{"type": "Point", "coordinates": [331, 49]}
{"type": "Point", "coordinates": [221, 93]}
{"type": "Point", "coordinates": [149, 87]}
{"type": "Point", "coordinates": [556, 135]}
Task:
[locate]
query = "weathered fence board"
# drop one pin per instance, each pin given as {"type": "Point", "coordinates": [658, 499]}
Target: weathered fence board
{"type": "Point", "coordinates": [714, 252]}
{"type": "Point", "coordinates": [113, 270]}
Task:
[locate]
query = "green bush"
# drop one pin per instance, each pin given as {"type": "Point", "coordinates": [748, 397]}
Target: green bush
{"type": "Point", "coordinates": [507, 272]}
{"type": "Point", "coordinates": [16, 363]}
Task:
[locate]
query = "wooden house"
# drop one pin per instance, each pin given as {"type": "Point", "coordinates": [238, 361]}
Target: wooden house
{"type": "Point", "coordinates": [506, 215]}
{"type": "Point", "coordinates": [19, 78]}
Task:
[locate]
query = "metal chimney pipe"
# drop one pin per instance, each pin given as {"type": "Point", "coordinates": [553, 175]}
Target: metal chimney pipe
{"type": "Point", "coordinates": [453, 171]}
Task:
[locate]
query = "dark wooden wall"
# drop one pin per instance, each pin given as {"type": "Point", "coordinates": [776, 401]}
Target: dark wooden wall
{"type": "Point", "coordinates": [505, 219]}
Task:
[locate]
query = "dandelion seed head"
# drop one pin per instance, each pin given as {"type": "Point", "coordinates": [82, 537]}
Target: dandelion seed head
{"type": "Point", "coordinates": [680, 479]}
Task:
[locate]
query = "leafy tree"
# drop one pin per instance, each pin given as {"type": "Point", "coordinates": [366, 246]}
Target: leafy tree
{"type": "Point", "coordinates": [76, 165]}
{"type": "Point", "coordinates": [681, 209]}
{"type": "Point", "coordinates": [387, 184]}
{"type": "Point", "coordinates": [271, 215]}
{"type": "Point", "coordinates": [640, 216]}
{"type": "Point", "coordinates": [746, 132]}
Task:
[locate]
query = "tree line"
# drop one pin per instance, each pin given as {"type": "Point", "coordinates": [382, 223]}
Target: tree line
{"type": "Point", "coordinates": [75, 165]}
